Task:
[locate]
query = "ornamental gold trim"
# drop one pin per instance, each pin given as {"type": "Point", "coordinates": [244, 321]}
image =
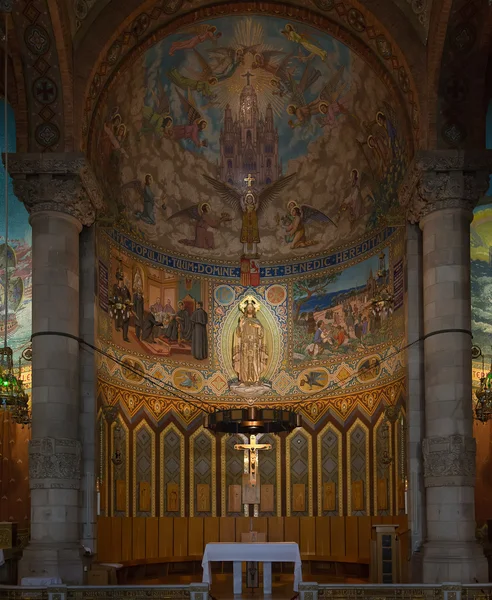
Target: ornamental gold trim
{"type": "Point", "coordinates": [144, 425]}
{"type": "Point", "coordinates": [182, 468]}
{"type": "Point", "coordinates": [288, 491]}
{"type": "Point", "coordinates": [367, 491]}
{"type": "Point", "coordinates": [321, 435]}
{"type": "Point", "coordinates": [213, 486]}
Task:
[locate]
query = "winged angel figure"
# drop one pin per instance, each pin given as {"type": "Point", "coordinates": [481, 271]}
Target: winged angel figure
{"type": "Point", "coordinates": [297, 219]}
{"type": "Point", "coordinates": [250, 204]}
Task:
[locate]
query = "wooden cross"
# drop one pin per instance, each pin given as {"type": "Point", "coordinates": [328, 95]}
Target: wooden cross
{"type": "Point", "coordinates": [253, 448]}
{"type": "Point", "coordinates": [249, 179]}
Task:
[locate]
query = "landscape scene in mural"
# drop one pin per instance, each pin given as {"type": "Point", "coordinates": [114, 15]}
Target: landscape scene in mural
{"type": "Point", "coordinates": [249, 136]}
{"type": "Point", "coordinates": [19, 262]}
{"type": "Point", "coordinates": [481, 278]}
{"type": "Point", "coordinates": [152, 311]}
{"type": "Point", "coordinates": [335, 314]}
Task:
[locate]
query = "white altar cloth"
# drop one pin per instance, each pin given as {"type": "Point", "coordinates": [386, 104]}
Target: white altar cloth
{"type": "Point", "coordinates": [265, 553]}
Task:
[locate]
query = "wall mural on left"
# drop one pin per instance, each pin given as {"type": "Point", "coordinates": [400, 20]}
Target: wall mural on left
{"type": "Point", "coordinates": [19, 323]}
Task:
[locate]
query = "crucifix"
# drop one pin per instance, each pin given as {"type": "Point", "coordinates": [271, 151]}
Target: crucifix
{"type": "Point", "coordinates": [249, 179]}
{"type": "Point", "coordinates": [253, 448]}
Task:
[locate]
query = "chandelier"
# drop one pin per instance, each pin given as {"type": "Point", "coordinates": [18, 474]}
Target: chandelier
{"type": "Point", "coordinates": [252, 420]}
{"type": "Point", "coordinates": [12, 395]}
{"type": "Point", "coordinates": [483, 405]}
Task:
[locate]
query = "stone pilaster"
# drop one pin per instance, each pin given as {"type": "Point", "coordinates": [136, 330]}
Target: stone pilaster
{"type": "Point", "coordinates": [415, 398]}
{"type": "Point", "coordinates": [61, 196]}
{"type": "Point", "coordinates": [446, 187]}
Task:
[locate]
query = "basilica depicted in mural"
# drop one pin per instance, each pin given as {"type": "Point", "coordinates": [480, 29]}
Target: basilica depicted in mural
{"type": "Point", "coordinates": [249, 141]}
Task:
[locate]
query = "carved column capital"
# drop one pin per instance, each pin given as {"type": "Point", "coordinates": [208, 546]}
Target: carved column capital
{"type": "Point", "coordinates": [442, 179]}
{"type": "Point", "coordinates": [54, 463]}
{"type": "Point", "coordinates": [56, 182]}
{"type": "Point", "coordinates": [449, 461]}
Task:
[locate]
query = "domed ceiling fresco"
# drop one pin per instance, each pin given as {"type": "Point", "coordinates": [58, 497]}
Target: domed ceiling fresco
{"type": "Point", "coordinates": [249, 135]}
{"type": "Point", "coordinates": [251, 167]}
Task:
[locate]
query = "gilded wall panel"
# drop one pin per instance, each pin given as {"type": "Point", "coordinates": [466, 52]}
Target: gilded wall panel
{"type": "Point", "coordinates": [330, 468]}
{"type": "Point", "coordinates": [172, 470]}
{"type": "Point", "coordinates": [120, 467]}
{"type": "Point", "coordinates": [358, 469]}
{"type": "Point", "coordinates": [299, 470]}
{"type": "Point", "coordinates": [203, 471]}
{"type": "Point", "coordinates": [143, 470]}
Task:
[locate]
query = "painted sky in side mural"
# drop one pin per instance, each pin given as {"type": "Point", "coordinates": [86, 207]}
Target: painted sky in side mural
{"type": "Point", "coordinates": [181, 129]}
{"type": "Point", "coordinates": [481, 278]}
{"type": "Point", "coordinates": [19, 327]}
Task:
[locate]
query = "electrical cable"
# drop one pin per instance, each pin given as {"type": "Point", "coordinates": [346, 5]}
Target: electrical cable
{"type": "Point", "coordinates": [185, 396]}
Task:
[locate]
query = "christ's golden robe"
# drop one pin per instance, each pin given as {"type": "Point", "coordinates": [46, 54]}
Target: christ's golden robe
{"type": "Point", "coordinates": [249, 353]}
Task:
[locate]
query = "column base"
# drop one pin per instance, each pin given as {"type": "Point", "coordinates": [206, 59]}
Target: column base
{"type": "Point", "coordinates": [463, 562]}
{"type": "Point", "coordinates": [52, 560]}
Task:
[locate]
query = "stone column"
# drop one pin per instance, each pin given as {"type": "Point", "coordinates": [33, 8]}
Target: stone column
{"type": "Point", "coordinates": [450, 184]}
{"type": "Point", "coordinates": [87, 319]}
{"type": "Point", "coordinates": [415, 399]}
{"type": "Point", "coordinates": [59, 193]}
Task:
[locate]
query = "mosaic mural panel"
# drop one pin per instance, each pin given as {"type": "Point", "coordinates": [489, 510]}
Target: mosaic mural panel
{"type": "Point", "coordinates": [330, 471]}
{"type": "Point", "coordinates": [289, 109]}
{"type": "Point", "coordinates": [19, 252]}
{"type": "Point", "coordinates": [383, 467]}
{"type": "Point", "coordinates": [299, 473]}
{"type": "Point", "coordinates": [144, 471]}
{"type": "Point", "coordinates": [358, 503]}
{"type": "Point", "coordinates": [233, 467]}
{"type": "Point", "coordinates": [172, 472]}
{"type": "Point", "coordinates": [120, 469]}
{"type": "Point", "coordinates": [202, 473]}
{"type": "Point", "coordinates": [268, 469]}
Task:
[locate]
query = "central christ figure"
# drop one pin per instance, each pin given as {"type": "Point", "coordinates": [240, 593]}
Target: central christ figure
{"type": "Point", "coordinates": [249, 352]}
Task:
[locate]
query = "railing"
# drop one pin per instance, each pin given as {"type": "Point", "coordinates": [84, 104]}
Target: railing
{"type": "Point", "coordinates": [445, 591]}
{"type": "Point", "coordinates": [199, 591]}
{"type": "Point", "coordinates": [194, 591]}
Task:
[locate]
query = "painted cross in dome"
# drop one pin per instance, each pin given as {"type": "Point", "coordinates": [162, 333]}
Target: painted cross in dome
{"type": "Point", "coordinates": [248, 76]}
{"type": "Point", "coordinates": [249, 179]}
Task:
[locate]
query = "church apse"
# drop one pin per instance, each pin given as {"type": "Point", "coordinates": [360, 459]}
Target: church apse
{"type": "Point", "coordinates": [250, 238]}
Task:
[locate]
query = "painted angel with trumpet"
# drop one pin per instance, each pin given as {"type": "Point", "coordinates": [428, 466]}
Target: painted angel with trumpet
{"type": "Point", "coordinates": [250, 204]}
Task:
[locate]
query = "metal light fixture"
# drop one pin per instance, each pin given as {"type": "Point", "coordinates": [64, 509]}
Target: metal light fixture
{"type": "Point", "coordinates": [252, 420]}
{"type": "Point", "coordinates": [483, 405]}
{"type": "Point", "coordinates": [12, 394]}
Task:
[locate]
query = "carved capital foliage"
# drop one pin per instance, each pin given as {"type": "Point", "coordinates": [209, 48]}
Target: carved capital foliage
{"type": "Point", "coordinates": [443, 179]}
{"type": "Point", "coordinates": [55, 463]}
{"type": "Point", "coordinates": [56, 182]}
{"type": "Point", "coordinates": [449, 460]}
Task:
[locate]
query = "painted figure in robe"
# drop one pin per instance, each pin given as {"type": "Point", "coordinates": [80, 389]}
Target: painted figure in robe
{"type": "Point", "coordinates": [249, 352]}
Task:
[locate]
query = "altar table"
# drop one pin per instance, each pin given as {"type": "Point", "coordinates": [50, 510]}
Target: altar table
{"type": "Point", "coordinates": [265, 553]}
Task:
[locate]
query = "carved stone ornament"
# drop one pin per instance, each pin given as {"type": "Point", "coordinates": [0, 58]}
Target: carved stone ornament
{"type": "Point", "coordinates": [56, 182]}
{"type": "Point", "coordinates": [6, 6]}
{"type": "Point", "coordinates": [442, 179]}
{"type": "Point", "coordinates": [54, 463]}
{"type": "Point", "coordinates": [449, 460]}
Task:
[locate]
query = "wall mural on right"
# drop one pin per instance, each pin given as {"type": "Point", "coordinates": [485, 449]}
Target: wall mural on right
{"type": "Point", "coordinates": [337, 314]}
